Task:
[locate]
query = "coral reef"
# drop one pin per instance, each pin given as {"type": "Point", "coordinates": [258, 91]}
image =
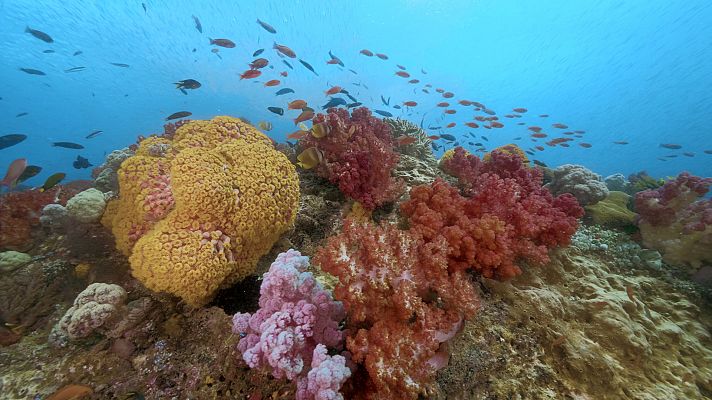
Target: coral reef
{"type": "Point", "coordinates": [87, 206]}
{"type": "Point", "coordinates": [198, 214]}
{"type": "Point", "coordinates": [105, 176]}
{"type": "Point", "coordinates": [677, 221]}
{"type": "Point", "coordinates": [612, 211]}
{"type": "Point", "coordinates": [618, 183]}
{"type": "Point", "coordinates": [402, 304]}
{"type": "Point", "coordinates": [586, 186]}
{"type": "Point", "coordinates": [358, 155]}
{"type": "Point", "coordinates": [297, 319]}
{"type": "Point", "coordinates": [420, 148]}
{"type": "Point", "coordinates": [642, 181]}
{"type": "Point", "coordinates": [54, 218]}
{"type": "Point", "coordinates": [507, 215]}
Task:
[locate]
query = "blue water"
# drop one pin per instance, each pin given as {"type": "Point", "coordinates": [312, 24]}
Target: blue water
{"type": "Point", "coordinates": [630, 71]}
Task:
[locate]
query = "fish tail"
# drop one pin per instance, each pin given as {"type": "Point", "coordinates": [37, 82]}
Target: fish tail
{"type": "Point", "coordinates": [27, 29]}
{"type": "Point", "coordinates": [211, 41]}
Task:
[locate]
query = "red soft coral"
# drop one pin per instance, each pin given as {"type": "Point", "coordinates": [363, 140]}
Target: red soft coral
{"type": "Point", "coordinates": [358, 156]}
{"type": "Point", "coordinates": [506, 216]}
{"type": "Point", "coordinates": [402, 303]}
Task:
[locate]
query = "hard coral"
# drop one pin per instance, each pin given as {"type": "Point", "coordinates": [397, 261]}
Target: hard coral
{"type": "Point", "coordinates": [197, 212]}
{"type": "Point", "coordinates": [673, 221]}
{"type": "Point", "coordinates": [587, 186]}
{"type": "Point", "coordinates": [402, 303]}
{"type": "Point", "coordinates": [358, 156]}
{"type": "Point", "coordinates": [295, 324]}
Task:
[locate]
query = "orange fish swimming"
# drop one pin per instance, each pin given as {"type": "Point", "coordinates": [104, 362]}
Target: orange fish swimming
{"type": "Point", "coordinates": [585, 145]}
{"type": "Point", "coordinates": [405, 140]}
{"type": "Point", "coordinates": [540, 148]}
{"type": "Point", "coordinates": [250, 73]}
{"type": "Point", "coordinates": [296, 105]}
{"type": "Point", "coordinates": [444, 104]}
{"type": "Point", "coordinates": [450, 111]}
{"type": "Point", "coordinates": [448, 95]}
{"type": "Point", "coordinates": [227, 43]}
{"type": "Point", "coordinates": [465, 103]}
{"type": "Point", "coordinates": [410, 103]}
{"type": "Point", "coordinates": [259, 63]}
{"type": "Point", "coordinates": [539, 135]}
{"type": "Point", "coordinates": [472, 124]}
{"type": "Point", "coordinates": [403, 74]}
{"type": "Point", "coordinates": [366, 52]}
{"type": "Point", "coordinates": [520, 110]}
{"type": "Point", "coordinates": [434, 137]}
{"type": "Point", "coordinates": [333, 61]}
{"type": "Point", "coordinates": [414, 81]}
{"type": "Point", "coordinates": [559, 125]}
{"type": "Point", "coordinates": [481, 118]}
{"type": "Point", "coordinates": [496, 124]}
{"type": "Point", "coordinates": [333, 90]}
{"type": "Point", "coordinates": [304, 116]}
{"type": "Point", "coordinates": [450, 125]}
{"type": "Point", "coordinates": [382, 56]}
{"type": "Point", "coordinates": [298, 135]}
{"type": "Point", "coordinates": [285, 50]}
{"type": "Point", "coordinates": [273, 82]}
{"type": "Point", "coordinates": [535, 128]}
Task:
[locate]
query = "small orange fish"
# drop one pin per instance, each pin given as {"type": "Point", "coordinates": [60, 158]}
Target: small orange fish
{"type": "Point", "coordinates": [273, 82]}
{"type": "Point", "coordinates": [564, 145]}
{"type": "Point", "coordinates": [465, 103]}
{"type": "Point", "coordinates": [496, 124]}
{"type": "Point", "coordinates": [285, 50]}
{"type": "Point", "coordinates": [400, 67]}
{"type": "Point", "coordinates": [405, 140]}
{"type": "Point", "coordinates": [414, 81]}
{"type": "Point", "coordinates": [296, 105]}
{"type": "Point", "coordinates": [520, 110]}
{"type": "Point", "coordinates": [568, 133]}
{"type": "Point", "coordinates": [539, 135]}
{"type": "Point", "coordinates": [559, 125]}
{"type": "Point", "coordinates": [250, 73]}
{"type": "Point", "coordinates": [540, 148]}
{"type": "Point", "coordinates": [304, 116]}
{"type": "Point", "coordinates": [333, 90]}
{"type": "Point", "coordinates": [403, 74]}
{"type": "Point", "coordinates": [410, 103]}
{"type": "Point", "coordinates": [258, 63]}
{"type": "Point", "coordinates": [382, 56]}
{"type": "Point", "coordinates": [585, 145]}
{"type": "Point", "coordinates": [434, 137]}
{"type": "Point", "coordinates": [535, 128]}
{"type": "Point", "coordinates": [448, 95]}
{"type": "Point", "coordinates": [486, 126]}
{"type": "Point", "coordinates": [298, 135]}
{"type": "Point", "coordinates": [472, 124]}
{"type": "Point", "coordinates": [481, 118]}
{"type": "Point", "coordinates": [450, 125]}
{"type": "Point", "coordinates": [444, 104]}
{"type": "Point", "coordinates": [450, 111]}
{"type": "Point", "coordinates": [366, 52]}
{"type": "Point", "coordinates": [284, 73]}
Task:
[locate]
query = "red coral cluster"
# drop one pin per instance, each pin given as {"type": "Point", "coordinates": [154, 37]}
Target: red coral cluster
{"type": "Point", "coordinates": [402, 304]}
{"type": "Point", "coordinates": [661, 206]}
{"type": "Point", "coordinates": [358, 155]}
{"type": "Point", "coordinates": [506, 215]}
{"type": "Point", "coordinates": [20, 212]}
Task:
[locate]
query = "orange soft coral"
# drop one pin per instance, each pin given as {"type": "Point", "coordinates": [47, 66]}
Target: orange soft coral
{"type": "Point", "coordinates": [197, 212]}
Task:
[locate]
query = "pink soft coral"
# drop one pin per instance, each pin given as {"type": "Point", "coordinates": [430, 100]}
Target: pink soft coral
{"type": "Point", "coordinates": [358, 156]}
{"type": "Point", "coordinates": [296, 315]}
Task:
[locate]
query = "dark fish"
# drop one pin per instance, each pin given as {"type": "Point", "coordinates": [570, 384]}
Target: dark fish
{"type": "Point", "coordinates": [383, 113]}
{"type": "Point", "coordinates": [333, 57]}
{"type": "Point", "coordinates": [479, 144]}
{"type": "Point", "coordinates": [397, 107]}
{"type": "Point", "coordinates": [52, 181]}
{"type": "Point", "coordinates": [423, 71]}
{"type": "Point", "coordinates": [352, 105]}
{"type": "Point", "coordinates": [488, 111]}
{"type": "Point", "coordinates": [81, 163]}
{"type": "Point", "coordinates": [531, 153]}
{"type": "Point", "coordinates": [144, 7]}
{"type": "Point", "coordinates": [32, 71]}
{"type": "Point", "coordinates": [484, 138]}
{"type": "Point", "coordinates": [11, 140]}
{"type": "Point", "coordinates": [688, 154]}
{"type": "Point", "coordinates": [197, 24]}
{"type": "Point", "coordinates": [620, 142]}
{"type": "Point", "coordinates": [78, 52]}
{"type": "Point", "coordinates": [267, 26]}
{"type": "Point", "coordinates": [353, 71]}
{"type": "Point", "coordinates": [435, 128]}
{"type": "Point", "coordinates": [334, 102]}
{"type": "Point", "coordinates": [258, 52]}
{"type": "Point", "coordinates": [671, 146]}
{"type": "Point", "coordinates": [287, 64]}
{"type": "Point", "coordinates": [276, 110]}
{"type": "Point", "coordinates": [48, 51]}
{"type": "Point", "coordinates": [75, 69]}
{"type": "Point", "coordinates": [308, 66]}
{"type": "Point", "coordinates": [179, 114]}
{"type": "Point", "coordinates": [22, 114]}
{"type": "Point", "coordinates": [195, 49]}
{"type": "Point", "coordinates": [671, 156]}
{"type": "Point", "coordinates": [284, 91]}
{"type": "Point", "coordinates": [707, 151]}
{"type": "Point", "coordinates": [539, 163]}
{"type": "Point", "coordinates": [39, 35]}
{"type": "Point", "coordinates": [93, 134]}
{"type": "Point", "coordinates": [352, 98]}
{"type": "Point", "coordinates": [386, 103]}
{"type": "Point", "coordinates": [448, 137]}
{"type": "Point", "coordinates": [68, 145]}
{"type": "Point", "coordinates": [425, 91]}
{"type": "Point", "coordinates": [122, 65]}
{"type": "Point", "coordinates": [187, 84]}
{"type": "Point", "coordinates": [29, 172]}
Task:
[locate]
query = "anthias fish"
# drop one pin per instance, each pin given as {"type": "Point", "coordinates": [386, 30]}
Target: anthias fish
{"type": "Point", "coordinates": [259, 63]}
{"type": "Point", "coordinates": [39, 35]}
{"type": "Point", "coordinates": [285, 50]}
{"type": "Point", "coordinates": [266, 26]}
{"type": "Point", "coordinates": [226, 43]}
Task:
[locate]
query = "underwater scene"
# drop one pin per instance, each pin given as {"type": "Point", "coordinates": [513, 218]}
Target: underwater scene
{"type": "Point", "coordinates": [321, 200]}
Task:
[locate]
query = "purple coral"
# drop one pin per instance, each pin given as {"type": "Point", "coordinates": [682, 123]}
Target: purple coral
{"type": "Point", "coordinates": [325, 378]}
{"type": "Point", "coordinates": [296, 316]}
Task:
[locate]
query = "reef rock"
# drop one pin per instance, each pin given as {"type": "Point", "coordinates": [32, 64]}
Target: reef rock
{"type": "Point", "coordinates": [54, 218]}
{"type": "Point", "coordinates": [12, 260]}
{"type": "Point", "coordinates": [87, 207]}
{"type": "Point", "coordinates": [107, 179]}
{"type": "Point", "coordinates": [584, 184]}
{"type": "Point", "coordinates": [618, 183]}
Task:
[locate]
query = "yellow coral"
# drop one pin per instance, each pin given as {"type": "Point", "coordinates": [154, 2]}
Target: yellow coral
{"type": "Point", "coordinates": [612, 211]}
{"type": "Point", "coordinates": [446, 156]}
{"type": "Point", "coordinates": [509, 149]}
{"type": "Point", "coordinates": [197, 216]}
